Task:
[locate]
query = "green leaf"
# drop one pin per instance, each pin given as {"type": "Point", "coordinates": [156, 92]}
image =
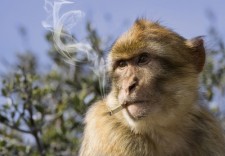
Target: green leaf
{"type": "Point", "coordinates": [4, 92]}
{"type": "Point", "coordinates": [3, 119]}
{"type": "Point", "coordinates": [39, 108]}
{"type": "Point", "coordinates": [13, 114]}
{"type": "Point", "coordinates": [3, 143]}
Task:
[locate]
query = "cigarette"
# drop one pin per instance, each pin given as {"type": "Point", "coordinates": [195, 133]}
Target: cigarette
{"type": "Point", "coordinates": [117, 109]}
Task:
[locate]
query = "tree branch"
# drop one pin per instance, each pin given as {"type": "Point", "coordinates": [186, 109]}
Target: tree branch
{"type": "Point", "coordinates": [16, 128]}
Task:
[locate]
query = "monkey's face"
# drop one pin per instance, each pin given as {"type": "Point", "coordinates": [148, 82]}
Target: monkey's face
{"type": "Point", "coordinates": [135, 83]}
{"type": "Point", "coordinates": [153, 70]}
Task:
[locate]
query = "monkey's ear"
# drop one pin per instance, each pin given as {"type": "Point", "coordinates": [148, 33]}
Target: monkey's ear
{"type": "Point", "coordinates": [198, 52]}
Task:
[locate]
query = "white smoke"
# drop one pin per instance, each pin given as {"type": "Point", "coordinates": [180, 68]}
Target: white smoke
{"type": "Point", "coordinates": [61, 25]}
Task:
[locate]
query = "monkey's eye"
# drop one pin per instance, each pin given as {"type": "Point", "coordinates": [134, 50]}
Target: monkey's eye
{"type": "Point", "coordinates": [122, 64]}
{"type": "Point", "coordinates": [143, 59]}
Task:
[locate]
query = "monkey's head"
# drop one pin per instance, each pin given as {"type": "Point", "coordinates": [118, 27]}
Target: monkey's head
{"type": "Point", "coordinates": [154, 74]}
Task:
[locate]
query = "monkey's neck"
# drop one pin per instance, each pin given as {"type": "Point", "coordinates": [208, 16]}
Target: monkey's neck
{"type": "Point", "coordinates": [155, 123]}
{"type": "Point", "coordinates": [117, 130]}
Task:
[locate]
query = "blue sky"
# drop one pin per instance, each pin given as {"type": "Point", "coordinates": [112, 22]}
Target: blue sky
{"type": "Point", "coordinates": [188, 18]}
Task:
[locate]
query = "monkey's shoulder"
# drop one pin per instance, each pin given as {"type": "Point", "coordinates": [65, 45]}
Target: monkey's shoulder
{"type": "Point", "coordinates": [98, 115]}
{"type": "Point", "coordinates": [205, 133]}
{"type": "Point", "coordinates": [103, 133]}
{"type": "Point", "coordinates": [96, 111]}
{"type": "Point", "coordinates": [203, 118]}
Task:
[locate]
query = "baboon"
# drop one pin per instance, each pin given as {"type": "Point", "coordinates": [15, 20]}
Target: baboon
{"type": "Point", "coordinates": [153, 107]}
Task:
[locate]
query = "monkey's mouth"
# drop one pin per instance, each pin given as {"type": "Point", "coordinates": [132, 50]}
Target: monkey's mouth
{"type": "Point", "coordinates": [127, 105]}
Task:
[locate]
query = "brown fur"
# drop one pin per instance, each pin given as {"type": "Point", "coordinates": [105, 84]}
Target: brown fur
{"type": "Point", "coordinates": [170, 121]}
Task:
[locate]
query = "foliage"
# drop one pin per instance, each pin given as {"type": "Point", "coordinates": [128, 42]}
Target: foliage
{"type": "Point", "coordinates": [213, 77]}
{"type": "Point", "coordinates": [47, 107]}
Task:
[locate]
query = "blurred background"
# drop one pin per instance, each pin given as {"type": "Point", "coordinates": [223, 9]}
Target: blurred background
{"type": "Point", "coordinates": [43, 99]}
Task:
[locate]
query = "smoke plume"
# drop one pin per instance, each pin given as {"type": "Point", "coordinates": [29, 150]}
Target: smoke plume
{"type": "Point", "coordinates": [61, 24]}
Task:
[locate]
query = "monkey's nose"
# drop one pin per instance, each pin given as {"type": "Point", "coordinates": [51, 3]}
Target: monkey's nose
{"type": "Point", "coordinates": [132, 85]}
